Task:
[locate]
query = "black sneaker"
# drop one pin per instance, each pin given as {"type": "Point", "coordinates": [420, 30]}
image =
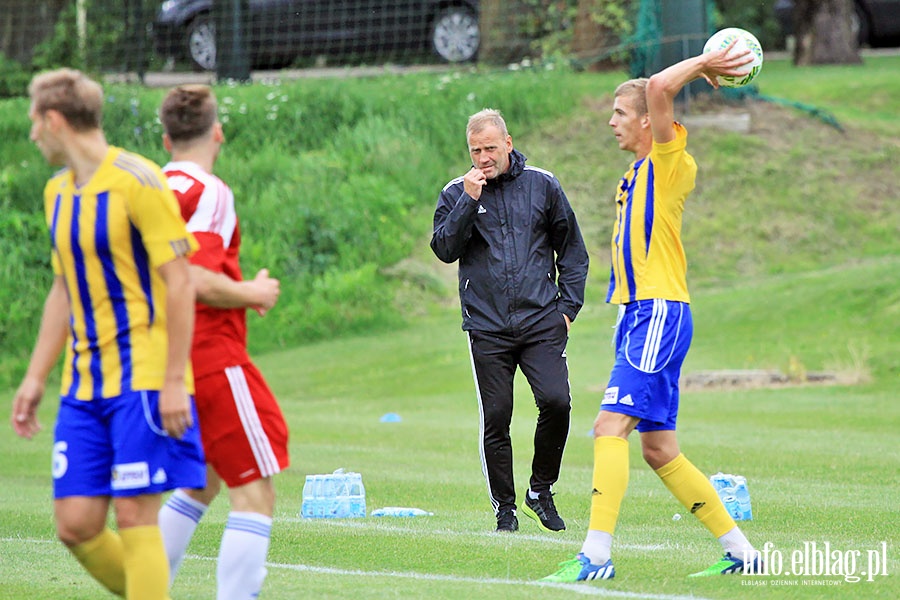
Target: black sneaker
{"type": "Point", "coordinates": [542, 510]}
{"type": "Point", "coordinates": [506, 520]}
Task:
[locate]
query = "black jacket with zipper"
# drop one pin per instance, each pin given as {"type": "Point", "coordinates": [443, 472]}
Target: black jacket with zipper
{"type": "Point", "coordinates": [520, 251]}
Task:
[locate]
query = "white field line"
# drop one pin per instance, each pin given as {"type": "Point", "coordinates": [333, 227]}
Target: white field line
{"type": "Point", "coordinates": [583, 589]}
{"type": "Point", "coordinates": [386, 527]}
{"type": "Point", "coordinates": [32, 540]}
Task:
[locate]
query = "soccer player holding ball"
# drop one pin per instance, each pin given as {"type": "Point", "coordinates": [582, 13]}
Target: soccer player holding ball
{"type": "Point", "coordinates": [654, 327]}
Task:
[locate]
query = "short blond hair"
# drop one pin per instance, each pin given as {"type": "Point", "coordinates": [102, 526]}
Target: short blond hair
{"type": "Point", "coordinates": [636, 89]}
{"type": "Point", "coordinates": [78, 98]}
{"type": "Point", "coordinates": [485, 118]}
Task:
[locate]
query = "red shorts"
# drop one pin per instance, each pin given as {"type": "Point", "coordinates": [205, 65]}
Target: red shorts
{"type": "Point", "coordinates": [244, 434]}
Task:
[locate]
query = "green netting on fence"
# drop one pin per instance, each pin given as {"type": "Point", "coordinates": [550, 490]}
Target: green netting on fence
{"type": "Point", "coordinates": [649, 31]}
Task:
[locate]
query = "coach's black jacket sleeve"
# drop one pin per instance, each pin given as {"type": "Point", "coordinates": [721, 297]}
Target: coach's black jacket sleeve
{"type": "Point", "coordinates": [453, 221]}
{"type": "Point", "coordinates": [571, 254]}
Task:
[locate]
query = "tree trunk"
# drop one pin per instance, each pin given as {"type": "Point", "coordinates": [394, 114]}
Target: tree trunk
{"type": "Point", "coordinates": [593, 34]}
{"type": "Point", "coordinates": [501, 38]}
{"type": "Point", "coordinates": [824, 33]}
{"type": "Point", "coordinates": [24, 23]}
{"type": "Point", "coordinates": [587, 35]}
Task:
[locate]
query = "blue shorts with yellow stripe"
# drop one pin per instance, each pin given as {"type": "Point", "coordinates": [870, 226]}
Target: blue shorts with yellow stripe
{"type": "Point", "coordinates": [652, 339]}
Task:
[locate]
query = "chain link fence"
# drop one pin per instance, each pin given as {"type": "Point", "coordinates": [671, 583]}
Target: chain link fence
{"type": "Point", "coordinates": [229, 38]}
{"type": "Point", "coordinates": [141, 36]}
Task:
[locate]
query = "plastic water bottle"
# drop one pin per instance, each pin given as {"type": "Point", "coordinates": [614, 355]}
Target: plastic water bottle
{"type": "Point", "coordinates": [725, 488]}
{"type": "Point", "coordinates": [338, 495]}
{"type": "Point", "coordinates": [731, 503]}
{"type": "Point", "coordinates": [328, 496]}
{"type": "Point", "coordinates": [324, 496]}
{"type": "Point", "coordinates": [732, 490]}
{"type": "Point", "coordinates": [743, 498]}
{"type": "Point", "coordinates": [311, 506]}
{"type": "Point", "coordinates": [357, 494]}
{"type": "Point", "coordinates": [339, 503]}
{"type": "Point", "coordinates": [721, 481]}
{"type": "Point", "coordinates": [306, 504]}
{"type": "Point", "coordinates": [400, 511]}
{"type": "Point", "coordinates": [350, 495]}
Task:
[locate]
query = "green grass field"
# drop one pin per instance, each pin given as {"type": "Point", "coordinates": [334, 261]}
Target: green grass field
{"type": "Point", "coordinates": [802, 275]}
{"type": "Point", "coordinates": [821, 464]}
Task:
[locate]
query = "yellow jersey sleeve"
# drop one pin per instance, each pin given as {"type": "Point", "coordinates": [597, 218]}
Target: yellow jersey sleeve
{"type": "Point", "coordinates": [154, 211]}
{"type": "Point", "coordinates": [674, 167]}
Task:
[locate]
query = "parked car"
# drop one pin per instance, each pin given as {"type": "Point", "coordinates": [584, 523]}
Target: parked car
{"type": "Point", "coordinates": [876, 22]}
{"type": "Point", "coordinates": [279, 32]}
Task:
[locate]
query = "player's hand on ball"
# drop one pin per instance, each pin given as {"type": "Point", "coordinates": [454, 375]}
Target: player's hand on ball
{"type": "Point", "coordinates": [734, 58]}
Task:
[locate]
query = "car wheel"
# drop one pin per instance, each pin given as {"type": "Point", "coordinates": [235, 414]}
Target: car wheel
{"type": "Point", "coordinates": [454, 34]}
{"type": "Point", "coordinates": [201, 43]}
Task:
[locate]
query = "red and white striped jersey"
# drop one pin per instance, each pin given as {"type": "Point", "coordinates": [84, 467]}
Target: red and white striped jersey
{"type": "Point", "coordinates": [207, 206]}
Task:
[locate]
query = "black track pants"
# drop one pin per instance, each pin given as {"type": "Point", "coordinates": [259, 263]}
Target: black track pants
{"type": "Point", "coordinates": [541, 354]}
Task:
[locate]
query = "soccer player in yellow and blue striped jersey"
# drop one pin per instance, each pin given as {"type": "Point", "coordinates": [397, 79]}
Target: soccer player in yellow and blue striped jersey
{"type": "Point", "coordinates": [648, 259]}
{"type": "Point", "coordinates": [109, 235]}
{"type": "Point", "coordinates": [121, 304]}
{"type": "Point", "coordinates": [654, 329]}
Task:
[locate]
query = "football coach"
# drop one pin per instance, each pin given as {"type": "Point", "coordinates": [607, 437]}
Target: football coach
{"type": "Point", "coordinates": [522, 271]}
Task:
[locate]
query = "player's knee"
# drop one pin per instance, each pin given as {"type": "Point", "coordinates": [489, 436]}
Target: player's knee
{"type": "Point", "coordinates": [68, 537]}
{"type": "Point", "coordinates": [75, 533]}
{"type": "Point", "coordinates": [657, 456]}
{"type": "Point", "coordinates": [207, 494]}
{"type": "Point", "coordinates": [614, 424]}
{"type": "Point", "coordinates": [256, 497]}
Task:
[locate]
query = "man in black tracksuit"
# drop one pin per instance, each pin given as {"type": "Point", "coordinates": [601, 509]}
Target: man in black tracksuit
{"type": "Point", "coordinates": [522, 271]}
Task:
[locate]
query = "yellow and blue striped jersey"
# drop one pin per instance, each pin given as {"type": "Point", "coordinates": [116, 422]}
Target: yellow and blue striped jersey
{"type": "Point", "coordinates": [109, 236]}
{"type": "Point", "coordinates": [648, 259]}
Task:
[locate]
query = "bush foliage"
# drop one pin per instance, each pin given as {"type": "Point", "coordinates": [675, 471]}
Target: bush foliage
{"type": "Point", "coordinates": [335, 181]}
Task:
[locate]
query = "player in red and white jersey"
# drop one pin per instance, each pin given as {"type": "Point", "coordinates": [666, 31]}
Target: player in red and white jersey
{"type": "Point", "coordinates": [243, 430]}
{"type": "Point", "coordinates": [207, 206]}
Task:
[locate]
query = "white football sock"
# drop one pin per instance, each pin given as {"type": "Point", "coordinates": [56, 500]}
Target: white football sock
{"type": "Point", "coordinates": [242, 556]}
{"type": "Point", "coordinates": [178, 519]}
{"type": "Point", "coordinates": [597, 546]}
{"type": "Point", "coordinates": [736, 543]}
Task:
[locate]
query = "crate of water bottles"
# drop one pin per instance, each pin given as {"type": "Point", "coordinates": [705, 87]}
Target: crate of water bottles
{"type": "Point", "coordinates": [732, 489]}
{"type": "Point", "coordinates": [339, 495]}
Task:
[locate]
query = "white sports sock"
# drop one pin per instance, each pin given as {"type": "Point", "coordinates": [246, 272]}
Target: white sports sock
{"type": "Point", "coordinates": [597, 546]}
{"type": "Point", "coordinates": [736, 543]}
{"type": "Point", "coordinates": [178, 519]}
{"type": "Point", "coordinates": [242, 556]}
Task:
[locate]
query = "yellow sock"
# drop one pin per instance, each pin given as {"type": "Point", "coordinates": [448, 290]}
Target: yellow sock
{"type": "Point", "coordinates": [146, 564]}
{"type": "Point", "coordinates": [102, 556]}
{"type": "Point", "coordinates": [696, 494]}
{"type": "Point", "coordinates": [610, 481]}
